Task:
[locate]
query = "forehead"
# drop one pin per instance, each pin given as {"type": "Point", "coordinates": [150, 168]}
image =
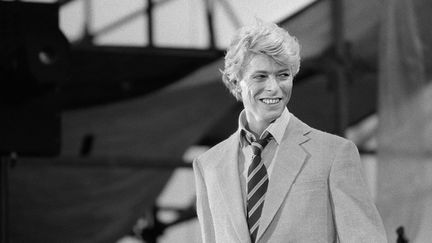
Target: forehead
{"type": "Point", "coordinates": [261, 62]}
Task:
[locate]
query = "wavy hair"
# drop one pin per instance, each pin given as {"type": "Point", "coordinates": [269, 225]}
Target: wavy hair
{"type": "Point", "coordinates": [261, 38]}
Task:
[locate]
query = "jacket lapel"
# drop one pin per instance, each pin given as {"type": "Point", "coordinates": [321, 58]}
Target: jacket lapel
{"type": "Point", "coordinates": [288, 163]}
{"type": "Point", "coordinates": [227, 172]}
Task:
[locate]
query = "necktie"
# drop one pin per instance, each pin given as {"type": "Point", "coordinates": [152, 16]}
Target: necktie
{"type": "Point", "coordinates": [257, 182]}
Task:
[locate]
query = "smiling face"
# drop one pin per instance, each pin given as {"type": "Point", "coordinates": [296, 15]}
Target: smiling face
{"type": "Point", "coordinates": [265, 91]}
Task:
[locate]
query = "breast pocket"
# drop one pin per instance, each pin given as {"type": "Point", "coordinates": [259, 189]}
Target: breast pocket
{"type": "Point", "coordinates": [303, 186]}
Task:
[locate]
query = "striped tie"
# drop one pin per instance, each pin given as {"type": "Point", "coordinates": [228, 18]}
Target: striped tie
{"type": "Point", "coordinates": [257, 182]}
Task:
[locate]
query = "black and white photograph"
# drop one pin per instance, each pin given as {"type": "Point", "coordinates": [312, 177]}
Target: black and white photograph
{"type": "Point", "coordinates": [215, 121]}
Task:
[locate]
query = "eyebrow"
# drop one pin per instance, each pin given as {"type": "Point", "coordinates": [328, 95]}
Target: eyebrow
{"type": "Point", "coordinates": [284, 70]}
{"type": "Point", "coordinates": [259, 71]}
{"type": "Point", "coordinates": [277, 71]}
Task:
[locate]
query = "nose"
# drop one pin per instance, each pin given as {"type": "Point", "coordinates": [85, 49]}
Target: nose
{"type": "Point", "coordinates": [272, 84]}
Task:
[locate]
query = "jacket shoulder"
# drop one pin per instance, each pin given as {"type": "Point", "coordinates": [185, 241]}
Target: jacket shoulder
{"type": "Point", "coordinates": [207, 157]}
{"type": "Point", "coordinates": [330, 142]}
{"type": "Point", "coordinates": [319, 136]}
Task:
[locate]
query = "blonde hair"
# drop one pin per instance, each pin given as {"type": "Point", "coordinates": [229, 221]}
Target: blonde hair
{"type": "Point", "coordinates": [261, 38]}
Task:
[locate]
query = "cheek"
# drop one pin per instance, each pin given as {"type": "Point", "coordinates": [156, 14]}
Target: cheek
{"type": "Point", "coordinates": [249, 91]}
{"type": "Point", "coordinates": [287, 87]}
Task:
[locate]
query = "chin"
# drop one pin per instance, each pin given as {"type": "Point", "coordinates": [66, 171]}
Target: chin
{"type": "Point", "coordinates": [271, 116]}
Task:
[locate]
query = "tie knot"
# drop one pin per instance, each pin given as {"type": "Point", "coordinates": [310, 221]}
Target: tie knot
{"type": "Point", "coordinates": [258, 145]}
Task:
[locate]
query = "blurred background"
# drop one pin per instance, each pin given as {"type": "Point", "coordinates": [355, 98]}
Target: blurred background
{"type": "Point", "coordinates": [104, 105]}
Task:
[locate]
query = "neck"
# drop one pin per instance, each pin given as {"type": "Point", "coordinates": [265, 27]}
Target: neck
{"type": "Point", "coordinates": [257, 127]}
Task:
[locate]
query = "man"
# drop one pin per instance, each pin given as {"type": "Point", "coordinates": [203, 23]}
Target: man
{"type": "Point", "coordinates": [276, 179]}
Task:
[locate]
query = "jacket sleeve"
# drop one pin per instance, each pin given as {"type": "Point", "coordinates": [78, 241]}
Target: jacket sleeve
{"type": "Point", "coordinates": [355, 214]}
{"type": "Point", "coordinates": [202, 205]}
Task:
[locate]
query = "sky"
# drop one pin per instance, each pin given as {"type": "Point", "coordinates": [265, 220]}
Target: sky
{"type": "Point", "coordinates": [177, 23]}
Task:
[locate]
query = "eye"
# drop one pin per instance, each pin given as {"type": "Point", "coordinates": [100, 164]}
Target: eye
{"type": "Point", "coordinates": [259, 77]}
{"type": "Point", "coordinates": [284, 75]}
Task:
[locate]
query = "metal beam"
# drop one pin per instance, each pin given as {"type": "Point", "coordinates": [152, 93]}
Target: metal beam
{"type": "Point", "coordinates": [209, 14]}
{"type": "Point", "coordinates": [126, 19]}
{"type": "Point", "coordinates": [150, 22]}
{"type": "Point", "coordinates": [341, 97]}
{"type": "Point", "coordinates": [231, 14]}
{"type": "Point", "coordinates": [87, 38]}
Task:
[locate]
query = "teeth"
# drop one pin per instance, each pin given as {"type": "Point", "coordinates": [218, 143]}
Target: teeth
{"type": "Point", "coordinates": [270, 101]}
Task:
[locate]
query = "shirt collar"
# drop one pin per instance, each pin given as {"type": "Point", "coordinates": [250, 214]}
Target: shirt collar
{"type": "Point", "coordinates": [276, 128]}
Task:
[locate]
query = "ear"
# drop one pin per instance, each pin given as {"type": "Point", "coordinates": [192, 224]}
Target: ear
{"type": "Point", "coordinates": [237, 93]}
{"type": "Point", "coordinates": [238, 97]}
{"type": "Point", "coordinates": [237, 88]}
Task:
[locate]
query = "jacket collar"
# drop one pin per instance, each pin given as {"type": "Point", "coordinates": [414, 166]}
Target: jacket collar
{"type": "Point", "coordinates": [289, 161]}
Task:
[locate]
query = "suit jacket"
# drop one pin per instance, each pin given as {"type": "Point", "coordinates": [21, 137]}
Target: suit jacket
{"type": "Point", "coordinates": [317, 192]}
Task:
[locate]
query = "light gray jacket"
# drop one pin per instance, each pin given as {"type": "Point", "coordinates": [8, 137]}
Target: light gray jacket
{"type": "Point", "coordinates": [317, 192]}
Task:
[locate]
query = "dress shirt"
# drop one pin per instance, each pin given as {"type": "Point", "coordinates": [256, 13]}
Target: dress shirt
{"type": "Point", "coordinates": [276, 129]}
